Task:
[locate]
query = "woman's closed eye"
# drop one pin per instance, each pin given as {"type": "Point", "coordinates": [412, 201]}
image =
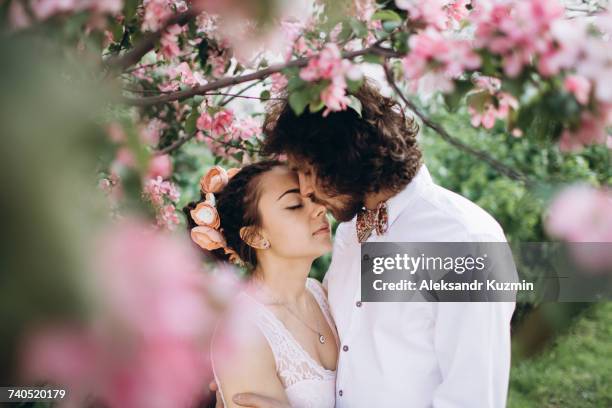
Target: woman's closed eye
{"type": "Point", "coordinates": [295, 207]}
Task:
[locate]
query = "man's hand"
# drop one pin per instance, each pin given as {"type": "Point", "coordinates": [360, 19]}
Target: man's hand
{"type": "Point", "coordinates": [212, 386]}
{"type": "Point", "coordinates": [248, 399]}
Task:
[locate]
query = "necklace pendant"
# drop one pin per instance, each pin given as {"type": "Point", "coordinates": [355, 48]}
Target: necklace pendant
{"type": "Point", "coordinates": [321, 338]}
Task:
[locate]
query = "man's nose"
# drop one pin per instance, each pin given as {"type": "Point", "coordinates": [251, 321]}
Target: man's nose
{"type": "Point", "coordinates": [306, 187]}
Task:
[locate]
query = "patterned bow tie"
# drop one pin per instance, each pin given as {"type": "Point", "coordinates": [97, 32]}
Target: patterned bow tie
{"type": "Point", "coordinates": [370, 220]}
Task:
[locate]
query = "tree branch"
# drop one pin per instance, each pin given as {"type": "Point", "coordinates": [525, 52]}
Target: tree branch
{"type": "Point", "coordinates": [375, 49]}
{"type": "Point", "coordinates": [497, 165]}
{"type": "Point", "coordinates": [126, 60]}
{"type": "Point", "coordinates": [181, 141]}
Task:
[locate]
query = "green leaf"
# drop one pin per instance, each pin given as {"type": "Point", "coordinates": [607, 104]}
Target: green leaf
{"type": "Point", "coordinates": [373, 59]}
{"type": "Point", "coordinates": [386, 15]}
{"type": "Point", "coordinates": [316, 106]}
{"type": "Point", "coordinates": [355, 104]}
{"type": "Point", "coordinates": [353, 86]}
{"type": "Point", "coordinates": [190, 123]}
{"type": "Point", "coordinates": [298, 102]}
{"type": "Point", "coordinates": [129, 9]}
{"type": "Point", "coordinates": [389, 26]}
{"type": "Point", "coordinates": [358, 27]}
{"type": "Point", "coordinates": [478, 99]}
{"type": "Point", "coordinates": [453, 100]}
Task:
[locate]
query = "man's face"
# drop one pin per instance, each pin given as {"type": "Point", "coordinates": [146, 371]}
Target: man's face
{"type": "Point", "coordinates": [342, 206]}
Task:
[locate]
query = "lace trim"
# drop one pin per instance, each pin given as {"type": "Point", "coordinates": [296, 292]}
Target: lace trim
{"type": "Point", "coordinates": [293, 363]}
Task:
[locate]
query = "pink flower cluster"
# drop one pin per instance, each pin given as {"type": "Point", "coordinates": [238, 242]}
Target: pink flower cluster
{"type": "Point", "coordinates": [439, 58]}
{"type": "Point", "coordinates": [156, 12]}
{"type": "Point", "coordinates": [43, 9]}
{"type": "Point", "coordinates": [493, 104]}
{"type": "Point", "coordinates": [169, 42]}
{"type": "Point", "coordinates": [329, 65]}
{"type": "Point", "coordinates": [581, 213]}
{"type": "Point", "coordinates": [245, 129]}
{"type": "Point", "coordinates": [217, 124]}
{"type": "Point", "coordinates": [579, 48]}
{"type": "Point", "coordinates": [518, 31]}
{"type": "Point", "coordinates": [591, 130]}
{"type": "Point", "coordinates": [162, 195]}
{"type": "Point", "coordinates": [181, 74]}
{"type": "Point", "coordinates": [147, 342]}
{"type": "Point", "coordinates": [279, 82]}
{"type": "Point", "coordinates": [438, 14]}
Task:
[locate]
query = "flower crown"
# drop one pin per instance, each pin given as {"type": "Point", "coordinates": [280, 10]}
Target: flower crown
{"type": "Point", "coordinates": [207, 234]}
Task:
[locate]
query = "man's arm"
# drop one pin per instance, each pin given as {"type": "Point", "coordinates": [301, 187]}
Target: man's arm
{"type": "Point", "coordinates": [472, 343]}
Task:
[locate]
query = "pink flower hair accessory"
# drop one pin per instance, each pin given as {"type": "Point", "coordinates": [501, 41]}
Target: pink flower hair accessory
{"type": "Point", "coordinates": [207, 234]}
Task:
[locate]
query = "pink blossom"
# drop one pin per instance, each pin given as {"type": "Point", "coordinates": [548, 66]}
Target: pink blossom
{"type": "Point", "coordinates": [218, 62]}
{"type": "Point", "coordinates": [44, 9]}
{"type": "Point", "coordinates": [334, 97]}
{"type": "Point", "coordinates": [279, 82]}
{"type": "Point", "coordinates": [592, 130]}
{"type": "Point", "coordinates": [246, 128]}
{"type": "Point", "coordinates": [492, 104]}
{"type": "Point", "coordinates": [579, 86]}
{"type": "Point", "coordinates": [186, 76]}
{"type": "Point", "coordinates": [429, 12]}
{"type": "Point", "coordinates": [115, 132]}
{"type": "Point", "coordinates": [581, 214]}
{"type": "Point", "coordinates": [155, 13]}
{"type": "Point", "coordinates": [157, 191]}
{"type": "Point", "coordinates": [147, 341]}
{"type": "Point", "coordinates": [167, 217]}
{"type": "Point", "coordinates": [204, 121]}
{"type": "Point", "coordinates": [169, 42]}
{"type": "Point", "coordinates": [125, 158]}
{"type": "Point", "coordinates": [517, 31]}
{"type": "Point", "coordinates": [151, 131]}
{"type": "Point", "coordinates": [431, 51]}
{"type": "Point", "coordinates": [160, 166]}
{"type": "Point", "coordinates": [326, 65]}
{"type": "Point", "coordinates": [18, 17]}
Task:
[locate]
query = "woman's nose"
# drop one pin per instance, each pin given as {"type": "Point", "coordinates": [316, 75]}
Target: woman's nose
{"type": "Point", "coordinates": [318, 210]}
{"type": "Point", "coordinates": [306, 187]}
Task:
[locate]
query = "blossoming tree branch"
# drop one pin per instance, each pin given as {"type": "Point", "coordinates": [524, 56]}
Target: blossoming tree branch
{"type": "Point", "coordinates": [541, 69]}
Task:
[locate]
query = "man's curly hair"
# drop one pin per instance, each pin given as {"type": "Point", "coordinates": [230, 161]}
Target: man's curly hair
{"type": "Point", "coordinates": [351, 154]}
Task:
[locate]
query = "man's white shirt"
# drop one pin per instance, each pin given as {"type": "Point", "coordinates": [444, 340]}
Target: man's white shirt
{"type": "Point", "coordinates": [419, 354]}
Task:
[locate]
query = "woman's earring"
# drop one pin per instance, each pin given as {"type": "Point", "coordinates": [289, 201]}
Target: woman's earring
{"type": "Point", "coordinates": [266, 245]}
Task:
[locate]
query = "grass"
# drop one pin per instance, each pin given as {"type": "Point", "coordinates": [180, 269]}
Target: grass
{"type": "Point", "coordinates": [575, 372]}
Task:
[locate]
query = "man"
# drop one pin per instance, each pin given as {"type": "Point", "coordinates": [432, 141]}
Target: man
{"type": "Point", "coordinates": [410, 354]}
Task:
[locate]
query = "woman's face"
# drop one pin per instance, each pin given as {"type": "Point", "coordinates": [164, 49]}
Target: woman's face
{"type": "Point", "coordinates": [294, 225]}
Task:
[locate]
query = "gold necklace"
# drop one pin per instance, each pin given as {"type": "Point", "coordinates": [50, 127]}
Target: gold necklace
{"type": "Point", "coordinates": [322, 338]}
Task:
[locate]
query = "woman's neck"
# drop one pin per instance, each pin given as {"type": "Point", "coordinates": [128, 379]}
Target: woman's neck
{"type": "Point", "coordinates": [283, 280]}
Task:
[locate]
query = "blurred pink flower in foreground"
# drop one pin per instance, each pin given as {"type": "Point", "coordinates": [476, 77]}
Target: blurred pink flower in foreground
{"type": "Point", "coordinates": [147, 343]}
{"type": "Point", "coordinates": [433, 54]}
{"type": "Point", "coordinates": [581, 214]}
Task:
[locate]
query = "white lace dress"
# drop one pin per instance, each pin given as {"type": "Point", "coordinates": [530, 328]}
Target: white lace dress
{"type": "Point", "coordinates": [307, 383]}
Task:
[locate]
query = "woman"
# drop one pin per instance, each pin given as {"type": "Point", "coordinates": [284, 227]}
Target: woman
{"type": "Point", "coordinates": [280, 335]}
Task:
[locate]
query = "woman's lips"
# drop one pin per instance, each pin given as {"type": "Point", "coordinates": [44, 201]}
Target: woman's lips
{"type": "Point", "coordinates": [323, 229]}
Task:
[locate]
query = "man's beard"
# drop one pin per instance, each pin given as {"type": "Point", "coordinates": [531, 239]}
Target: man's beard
{"type": "Point", "coordinates": [347, 210]}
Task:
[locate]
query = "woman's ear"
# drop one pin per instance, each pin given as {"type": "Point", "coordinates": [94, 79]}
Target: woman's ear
{"type": "Point", "coordinates": [254, 238]}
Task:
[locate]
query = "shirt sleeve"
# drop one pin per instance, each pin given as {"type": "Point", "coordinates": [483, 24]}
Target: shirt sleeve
{"type": "Point", "coordinates": [472, 345]}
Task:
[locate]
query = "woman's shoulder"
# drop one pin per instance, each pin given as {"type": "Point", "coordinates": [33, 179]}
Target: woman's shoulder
{"type": "Point", "coordinates": [238, 335]}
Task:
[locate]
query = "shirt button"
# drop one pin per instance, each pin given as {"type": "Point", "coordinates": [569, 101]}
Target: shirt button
{"type": "Point", "coordinates": [358, 304]}
{"type": "Point", "coordinates": [340, 393]}
{"type": "Point", "coordinates": [345, 348]}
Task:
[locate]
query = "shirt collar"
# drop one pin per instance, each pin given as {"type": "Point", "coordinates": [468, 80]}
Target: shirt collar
{"type": "Point", "coordinates": [396, 204]}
